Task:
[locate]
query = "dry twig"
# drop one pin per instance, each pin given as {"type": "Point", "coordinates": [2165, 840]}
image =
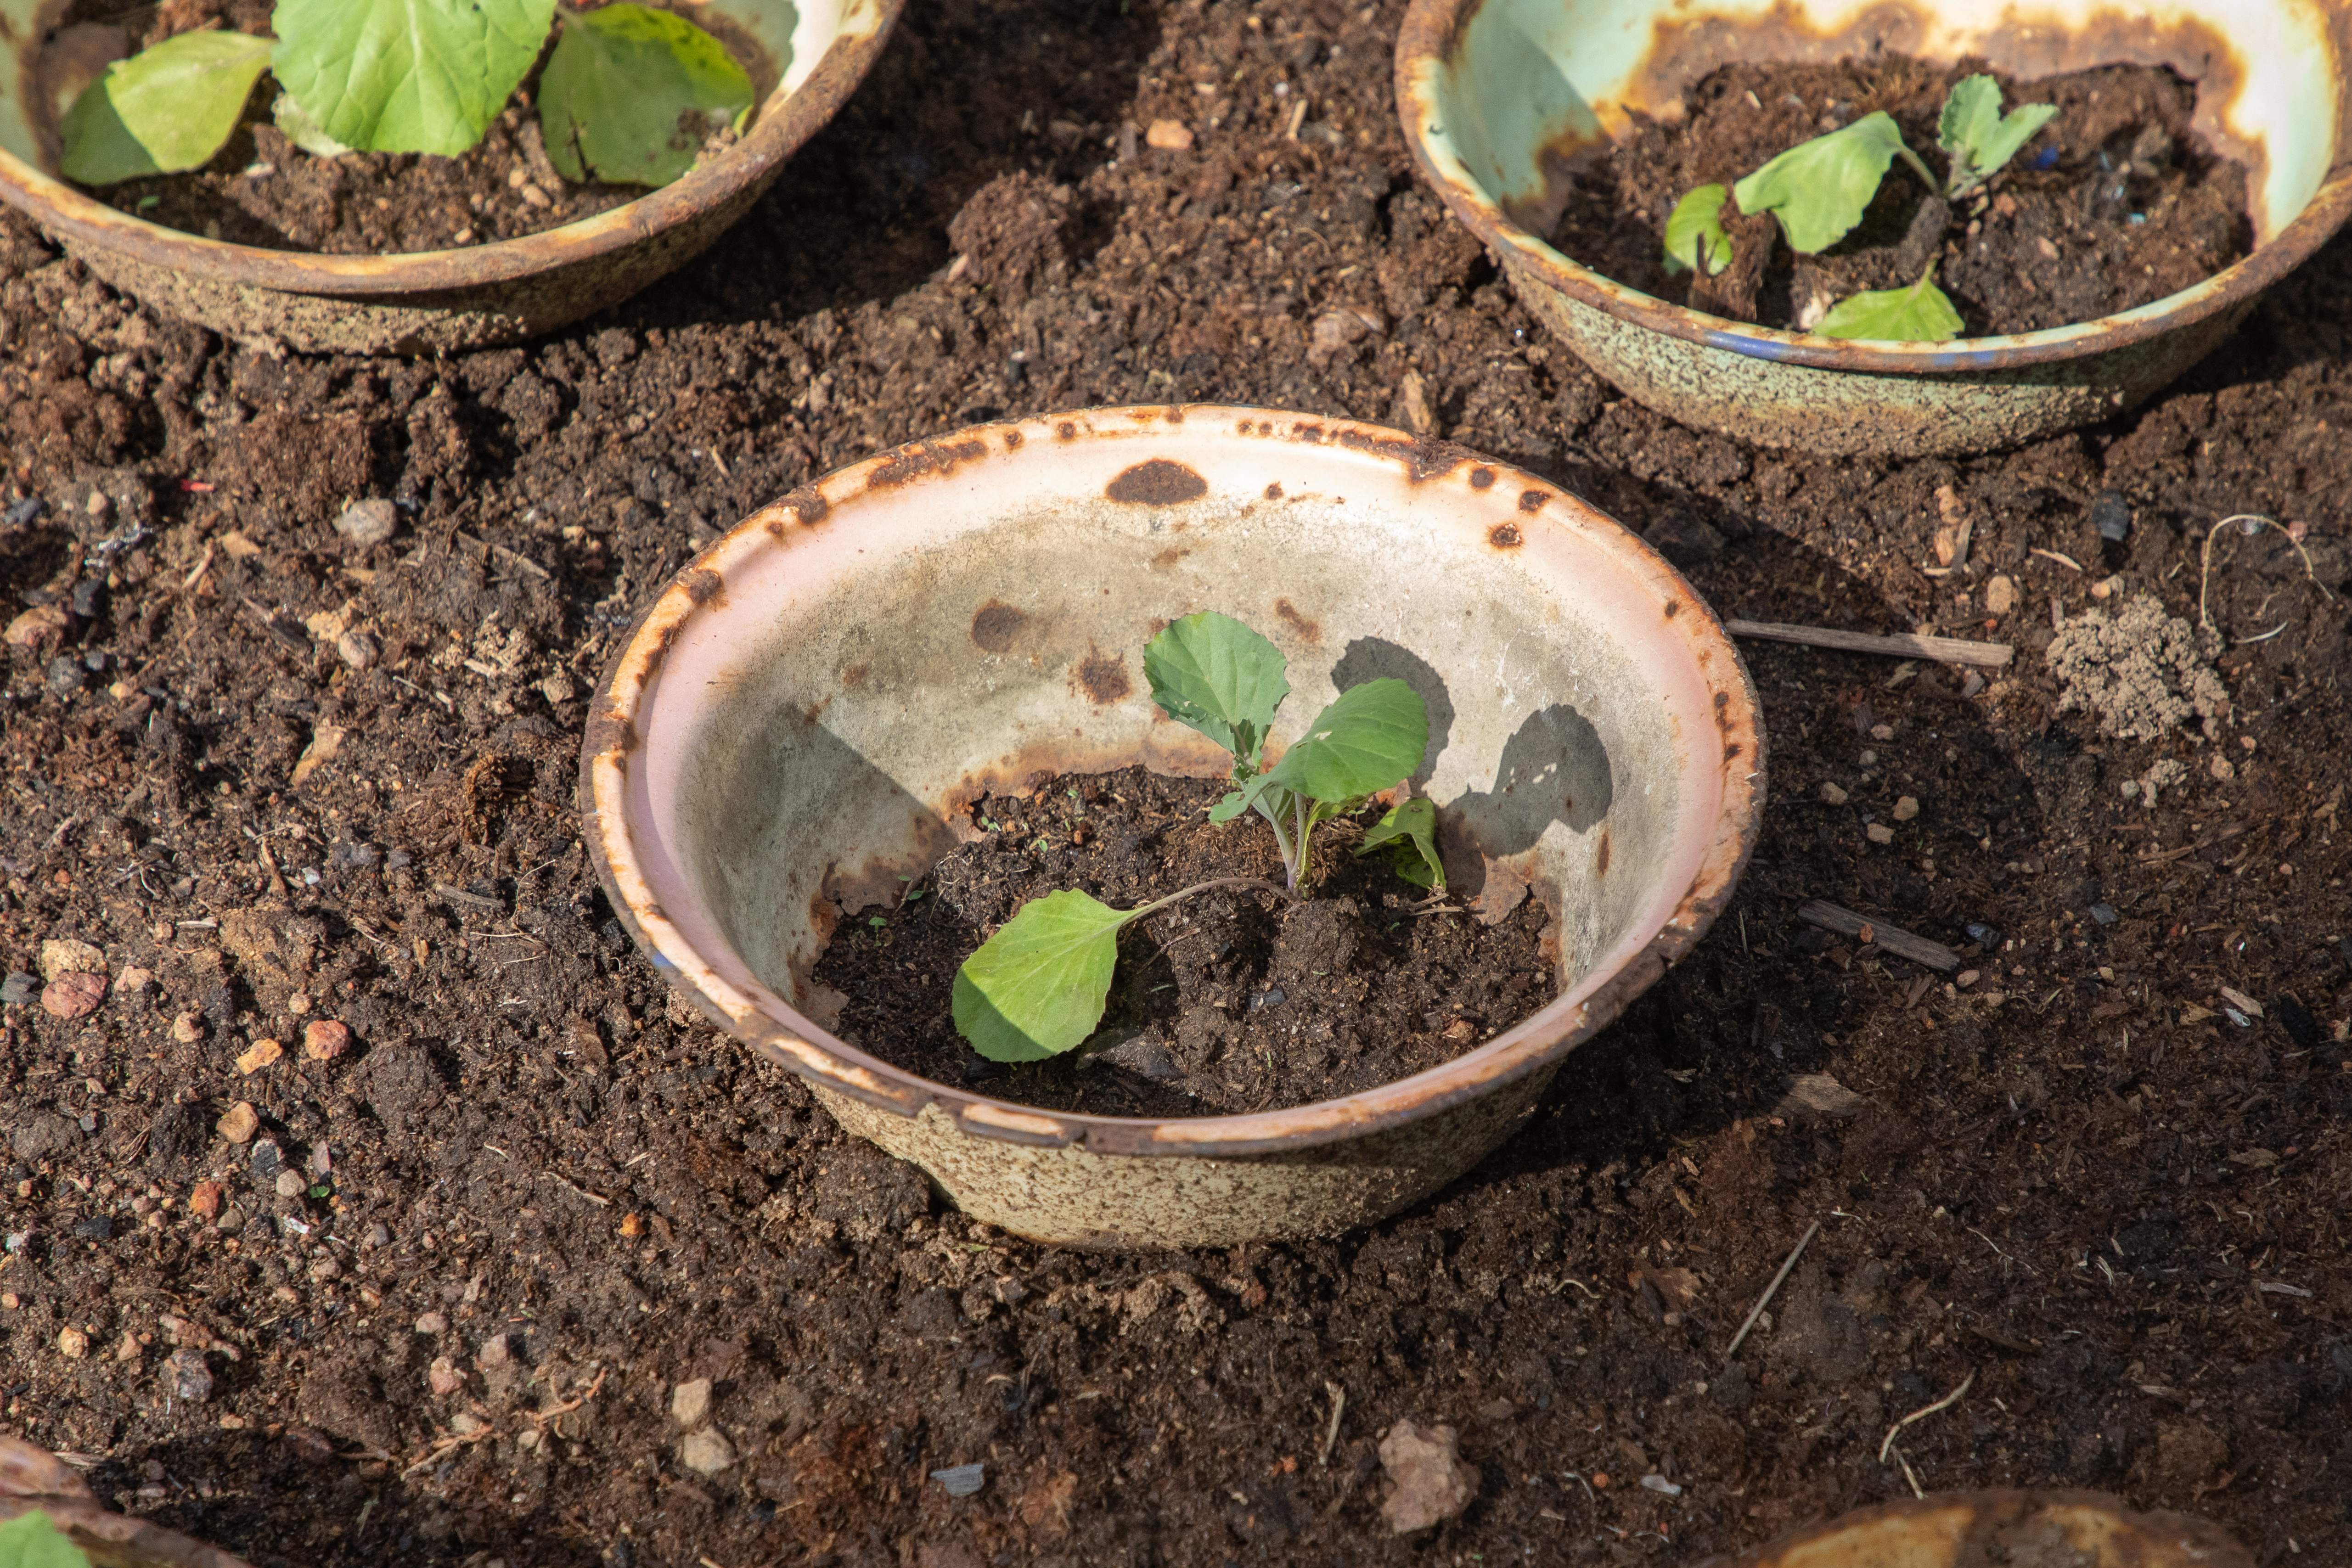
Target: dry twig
{"type": "Point", "coordinates": [1771, 1289]}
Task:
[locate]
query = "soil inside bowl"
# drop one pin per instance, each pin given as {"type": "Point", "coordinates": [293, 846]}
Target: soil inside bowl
{"type": "Point", "coordinates": [1231, 1001]}
{"type": "Point", "coordinates": [2116, 203]}
{"type": "Point", "coordinates": [261, 189]}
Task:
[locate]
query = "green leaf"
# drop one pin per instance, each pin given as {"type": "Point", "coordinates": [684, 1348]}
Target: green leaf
{"type": "Point", "coordinates": [1694, 233]}
{"type": "Point", "coordinates": [1919, 313]}
{"type": "Point", "coordinates": [1231, 806]}
{"type": "Point", "coordinates": [1369, 738]}
{"type": "Point", "coordinates": [163, 110]}
{"type": "Point", "coordinates": [1037, 987]}
{"type": "Point", "coordinates": [1212, 673]}
{"type": "Point", "coordinates": [32, 1540]}
{"type": "Point", "coordinates": [1976, 135]}
{"type": "Point", "coordinates": [631, 92]}
{"type": "Point", "coordinates": [302, 130]}
{"type": "Point", "coordinates": [1820, 189]}
{"type": "Point", "coordinates": [1409, 832]}
{"type": "Point", "coordinates": [407, 76]}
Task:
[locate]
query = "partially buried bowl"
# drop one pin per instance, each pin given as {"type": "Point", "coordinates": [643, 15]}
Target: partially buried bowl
{"type": "Point", "coordinates": [1505, 102]}
{"type": "Point", "coordinates": [807, 714]}
{"type": "Point", "coordinates": [808, 56]}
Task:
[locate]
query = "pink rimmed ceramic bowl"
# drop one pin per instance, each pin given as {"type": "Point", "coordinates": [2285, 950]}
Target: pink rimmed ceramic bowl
{"type": "Point", "coordinates": [806, 714]}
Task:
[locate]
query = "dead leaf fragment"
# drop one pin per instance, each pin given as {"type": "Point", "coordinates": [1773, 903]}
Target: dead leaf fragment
{"type": "Point", "coordinates": [2243, 1002]}
{"type": "Point", "coordinates": [1428, 1481]}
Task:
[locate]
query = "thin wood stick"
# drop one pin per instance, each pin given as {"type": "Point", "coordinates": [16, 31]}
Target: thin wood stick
{"type": "Point", "coordinates": [1771, 1289]}
{"type": "Point", "coordinates": [1894, 939]}
{"type": "Point", "coordinates": [1902, 645]}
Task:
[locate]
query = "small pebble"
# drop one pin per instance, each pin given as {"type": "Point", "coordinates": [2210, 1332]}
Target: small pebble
{"type": "Point", "coordinates": [433, 1323]}
{"type": "Point", "coordinates": [188, 1028]}
{"type": "Point", "coordinates": [1833, 795]}
{"type": "Point", "coordinates": [365, 523]}
{"type": "Point", "coordinates": [2000, 596]}
{"type": "Point", "coordinates": [298, 1003]}
{"type": "Point", "coordinates": [72, 1344]}
{"type": "Point", "coordinates": [290, 1183]}
{"type": "Point", "coordinates": [261, 1054]}
{"type": "Point", "coordinates": [185, 1377]}
{"type": "Point", "coordinates": [706, 1453]}
{"type": "Point", "coordinates": [66, 676]}
{"type": "Point", "coordinates": [443, 1376]}
{"type": "Point", "coordinates": [689, 1403]}
{"type": "Point", "coordinates": [2105, 913]}
{"type": "Point", "coordinates": [267, 1160]}
{"type": "Point", "coordinates": [496, 1351]}
{"type": "Point", "coordinates": [1906, 809]}
{"type": "Point", "coordinates": [357, 649]}
{"type": "Point", "coordinates": [2111, 515]}
{"type": "Point", "coordinates": [240, 1123]}
{"type": "Point", "coordinates": [73, 995]}
{"type": "Point", "coordinates": [19, 989]}
{"type": "Point", "coordinates": [1169, 136]}
{"type": "Point", "coordinates": [962, 1481]}
{"type": "Point", "coordinates": [205, 1200]}
{"type": "Point", "coordinates": [324, 1039]}
{"type": "Point", "coordinates": [1879, 833]}
{"type": "Point", "coordinates": [534, 196]}
{"type": "Point", "coordinates": [61, 956]}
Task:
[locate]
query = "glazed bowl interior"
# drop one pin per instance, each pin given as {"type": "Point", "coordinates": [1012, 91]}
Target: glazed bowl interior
{"type": "Point", "coordinates": [808, 717]}
{"type": "Point", "coordinates": [784, 41]}
{"type": "Point", "coordinates": [1523, 93]}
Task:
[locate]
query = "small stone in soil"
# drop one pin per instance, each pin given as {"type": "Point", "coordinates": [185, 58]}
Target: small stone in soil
{"type": "Point", "coordinates": [1429, 1482]}
{"type": "Point", "coordinates": [1145, 1054]}
{"type": "Point", "coordinates": [365, 523]}
{"type": "Point", "coordinates": [73, 995]}
{"type": "Point", "coordinates": [19, 989]}
{"type": "Point", "coordinates": [325, 1040]}
{"type": "Point", "coordinates": [290, 1183]}
{"type": "Point", "coordinates": [185, 1377]}
{"type": "Point", "coordinates": [267, 1160]}
{"type": "Point", "coordinates": [962, 1481]}
{"type": "Point", "coordinates": [432, 1323]}
{"type": "Point", "coordinates": [2105, 913]}
{"type": "Point", "coordinates": [689, 1403]}
{"type": "Point", "coordinates": [2111, 515]}
{"type": "Point", "coordinates": [240, 1123]}
{"type": "Point", "coordinates": [706, 1453]}
{"type": "Point", "coordinates": [443, 1376]}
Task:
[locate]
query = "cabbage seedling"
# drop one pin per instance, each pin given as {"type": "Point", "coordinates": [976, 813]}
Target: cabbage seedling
{"type": "Point", "coordinates": [628, 94]}
{"type": "Point", "coordinates": [32, 1539]}
{"type": "Point", "coordinates": [1819, 190]}
{"type": "Point", "coordinates": [1039, 985]}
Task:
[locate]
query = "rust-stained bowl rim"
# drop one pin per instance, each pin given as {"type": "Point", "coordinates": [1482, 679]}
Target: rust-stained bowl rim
{"type": "Point", "coordinates": [1430, 25]}
{"type": "Point", "coordinates": [764, 1021]}
{"type": "Point", "coordinates": [1903, 1520]}
{"type": "Point", "coordinates": [786, 122]}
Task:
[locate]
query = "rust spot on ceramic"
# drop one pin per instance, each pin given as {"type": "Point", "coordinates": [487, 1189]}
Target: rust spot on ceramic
{"type": "Point", "coordinates": [703, 586]}
{"type": "Point", "coordinates": [1309, 434]}
{"type": "Point", "coordinates": [1169, 558]}
{"type": "Point", "coordinates": [1601, 855]}
{"type": "Point", "coordinates": [1068, 430]}
{"type": "Point", "coordinates": [1156, 482]}
{"type": "Point", "coordinates": [855, 676]}
{"type": "Point", "coordinates": [808, 504]}
{"type": "Point", "coordinates": [1504, 535]}
{"type": "Point", "coordinates": [1532, 500]}
{"type": "Point", "coordinates": [614, 733]}
{"type": "Point", "coordinates": [1731, 750]}
{"type": "Point", "coordinates": [921, 460]}
{"type": "Point", "coordinates": [996, 625]}
{"type": "Point", "coordinates": [1274, 491]}
{"type": "Point", "coordinates": [1309, 631]}
{"type": "Point", "coordinates": [1673, 609]}
{"type": "Point", "coordinates": [1011, 441]}
{"type": "Point", "coordinates": [1424, 456]}
{"type": "Point", "coordinates": [1481, 478]}
{"type": "Point", "coordinates": [1103, 677]}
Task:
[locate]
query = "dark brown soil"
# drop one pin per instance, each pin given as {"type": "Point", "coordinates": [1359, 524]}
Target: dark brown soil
{"type": "Point", "coordinates": [2117, 1208]}
{"type": "Point", "coordinates": [2134, 207]}
{"type": "Point", "coordinates": [1231, 1001]}
{"type": "Point", "coordinates": [262, 190]}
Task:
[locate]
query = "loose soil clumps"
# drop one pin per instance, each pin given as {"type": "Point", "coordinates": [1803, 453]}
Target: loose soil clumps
{"type": "Point", "coordinates": [1232, 1001]}
{"type": "Point", "coordinates": [2116, 203]}
{"type": "Point", "coordinates": [2143, 672]}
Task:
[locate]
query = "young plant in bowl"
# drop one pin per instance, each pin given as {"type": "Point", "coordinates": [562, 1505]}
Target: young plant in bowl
{"type": "Point", "coordinates": [1820, 189]}
{"type": "Point", "coordinates": [1039, 985]}
{"type": "Point", "coordinates": [630, 94]}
